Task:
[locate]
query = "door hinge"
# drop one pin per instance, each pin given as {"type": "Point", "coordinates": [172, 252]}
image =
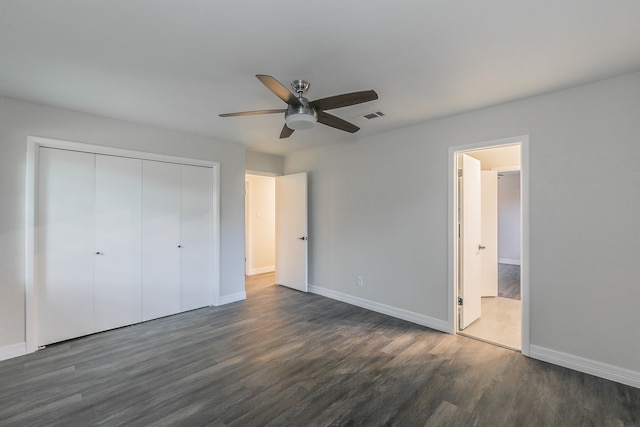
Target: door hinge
{"type": "Point", "coordinates": [459, 173]}
{"type": "Point", "coordinates": [459, 300]}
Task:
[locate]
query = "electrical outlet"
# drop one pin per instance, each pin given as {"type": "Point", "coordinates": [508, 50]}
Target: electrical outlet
{"type": "Point", "coordinates": [360, 281]}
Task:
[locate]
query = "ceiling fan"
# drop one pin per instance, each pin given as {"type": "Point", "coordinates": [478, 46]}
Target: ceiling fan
{"type": "Point", "coordinates": [302, 113]}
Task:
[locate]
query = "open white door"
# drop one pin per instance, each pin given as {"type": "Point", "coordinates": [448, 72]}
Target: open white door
{"type": "Point", "coordinates": [469, 258]}
{"type": "Point", "coordinates": [489, 233]}
{"type": "Point", "coordinates": [291, 231]}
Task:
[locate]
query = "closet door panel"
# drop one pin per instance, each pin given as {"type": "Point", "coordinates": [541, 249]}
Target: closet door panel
{"type": "Point", "coordinates": [160, 239]}
{"type": "Point", "coordinates": [65, 245]}
{"type": "Point", "coordinates": [196, 254]}
{"type": "Point", "coordinates": [118, 231]}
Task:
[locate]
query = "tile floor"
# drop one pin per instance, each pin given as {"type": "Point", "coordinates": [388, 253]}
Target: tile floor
{"type": "Point", "coordinates": [501, 317]}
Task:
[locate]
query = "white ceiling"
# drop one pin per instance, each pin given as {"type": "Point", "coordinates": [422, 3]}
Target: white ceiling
{"type": "Point", "coordinates": [180, 63]}
{"type": "Point", "coordinates": [501, 158]}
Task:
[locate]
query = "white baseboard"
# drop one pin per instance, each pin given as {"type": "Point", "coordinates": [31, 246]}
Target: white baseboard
{"type": "Point", "coordinates": [261, 270]}
{"type": "Point", "coordinates": [14, 350]}
{"type": "Point", "coordinates": [592, 367]}
{"type": "Point", "coordinates": [508, 261]}
{"type": "Point", "coordinates": [399, 313]}
{"type": "Point", "coordinates": [228, 299]}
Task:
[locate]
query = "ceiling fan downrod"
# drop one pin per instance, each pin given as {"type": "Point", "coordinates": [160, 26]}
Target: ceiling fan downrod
{"type": "Point", "coordinates": [300, 87]}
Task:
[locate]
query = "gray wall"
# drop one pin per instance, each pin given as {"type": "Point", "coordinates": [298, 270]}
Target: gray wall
{"type": "Point", "coordinates": [509, 218]}
{"type": "Point", "coordinates": [379, 209]}
{"type": "Point", "coordinates": [18, 119]}
{"type": "Point", "coordinates": [262, 162]}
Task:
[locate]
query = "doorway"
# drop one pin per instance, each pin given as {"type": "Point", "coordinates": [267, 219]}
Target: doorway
{"type": "Point", "coordinates": [260, 244]}
{"type": "Point", "coordinates": [488, 242]}
{"type": "Point", "coordinates": [276, 228]}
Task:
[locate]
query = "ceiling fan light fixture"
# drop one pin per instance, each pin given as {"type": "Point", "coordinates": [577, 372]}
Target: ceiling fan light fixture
{"type": "Point", "coordinates": [300, 121]}
{"type": "Point", "coordinates": [300, 118]}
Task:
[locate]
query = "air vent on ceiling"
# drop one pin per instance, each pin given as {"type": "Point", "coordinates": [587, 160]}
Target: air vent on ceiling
{"type": "Point", "coordinates": [373, 115]}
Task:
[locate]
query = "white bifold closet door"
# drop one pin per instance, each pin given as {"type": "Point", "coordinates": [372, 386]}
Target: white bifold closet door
{"type": "Point", "coordinates": [65, 245]}
{"type": "Point", "coordinates": [160, 239]}
{"type": "Point", "coordinates": [118, 242]}
{"type": "Point", "coordinates": [89, 243]}
{"type": "Point", "coordinates": [177, 236]}
{"type": "Point", "coordinates": [196, 237]}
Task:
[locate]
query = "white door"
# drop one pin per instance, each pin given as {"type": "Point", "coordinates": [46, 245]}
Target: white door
{"type": "Point", "coordinates": [291, 231]}
{"type": "Point", "coordinates": [118, 247]}
{"type": "Point", "coordinates": [470, 275]}
{"type": "Point", "coordinates": [160, 239]}
{"type": "Point", "coordinates": [196, 237]}
{"type": "Point", "coordinates": [65, 245]}
{"type": "Point", "coordinates": [489, 232]}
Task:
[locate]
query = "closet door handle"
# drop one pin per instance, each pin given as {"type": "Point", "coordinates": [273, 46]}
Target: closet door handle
{"type": "Point", "coordinates": [179, 246]}
{"type": "Point", "coordinates": [99, 253]}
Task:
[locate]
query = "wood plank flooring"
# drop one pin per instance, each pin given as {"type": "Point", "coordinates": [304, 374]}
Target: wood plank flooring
{"type": "Point", "coordinates": [286, 358]}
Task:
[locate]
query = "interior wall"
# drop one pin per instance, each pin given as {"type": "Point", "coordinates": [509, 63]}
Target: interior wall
{"type": "Point", "coordinates": [509, 218]}
{"type": "Point", "coordinates": [261, 216]}
{"type": "Point", "coordinates": [379, 209]}
{"type": "Point", "coordinates": [264, 163]}
{"type": "Point", "coordinates": [19, 119]}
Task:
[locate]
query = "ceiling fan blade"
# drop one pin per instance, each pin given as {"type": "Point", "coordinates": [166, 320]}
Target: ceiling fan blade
{"type": "Point", "coordinates": [279, 90]}
{"type": "Point", "coordinates": [336, 122]}
{"type": "Point", "coordinates": [344, 100]}
{"type": "Point", "coordinates": [286, 132]}
{"type": "Point", "coordinates": [252, 113]}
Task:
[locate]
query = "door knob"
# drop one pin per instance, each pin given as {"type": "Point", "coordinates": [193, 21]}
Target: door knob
{"type": "Point", "coordinates": [303, 238]}
{"type": "Point", "coordinates": [99, 253]}
{"type": "Point", "coordinates": [480, 247]}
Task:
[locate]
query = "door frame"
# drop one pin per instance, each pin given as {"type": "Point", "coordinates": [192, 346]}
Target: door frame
{"type": "Point", "coordinates": [31, 209]}
{"type": "Point", "coordinates": [523, 140]}
{"type": "Point", "coordinates": [247, 226]}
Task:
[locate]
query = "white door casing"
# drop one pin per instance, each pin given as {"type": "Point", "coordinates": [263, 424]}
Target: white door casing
{"type": "Point", "coordinates": [453, 226]}
{"type": "Point", "coordinates": [470, 276]}
{"type": "Point", "coordinates": [291, 231]}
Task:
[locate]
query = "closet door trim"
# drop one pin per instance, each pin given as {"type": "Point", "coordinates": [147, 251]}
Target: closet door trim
{"type": "Point", "coordinates": [31, 211]}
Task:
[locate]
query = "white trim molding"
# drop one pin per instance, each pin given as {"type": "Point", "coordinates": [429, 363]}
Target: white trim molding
{"type": "Point", "coordinates": [261, 270]}
{"type": "Point", "coordinates": [508, 261]}
{"type": "Point", "coordinates": [228, 299]}
{"type": "Point", "coordinates": [591, 367]}
{"type": "Point", "coordinates": [409, 316]}
{"type": "Point", "coordinates": [13, 350]}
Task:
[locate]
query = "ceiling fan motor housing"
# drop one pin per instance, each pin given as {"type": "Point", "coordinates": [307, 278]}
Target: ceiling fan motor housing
{"type": "Point", "coordinates": [300, 117]}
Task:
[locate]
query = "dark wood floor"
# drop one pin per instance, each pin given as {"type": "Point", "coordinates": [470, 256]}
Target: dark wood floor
{"type": "Point", "coordinates": [286, 358]}
{"type": "Point", "coordinates": [509, 281]}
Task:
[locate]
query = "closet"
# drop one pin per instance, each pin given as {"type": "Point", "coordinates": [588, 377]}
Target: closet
{"type": "Point", "coordinates": [176, 234]}
{"type": "Point", "coordinates": [120, 240]}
